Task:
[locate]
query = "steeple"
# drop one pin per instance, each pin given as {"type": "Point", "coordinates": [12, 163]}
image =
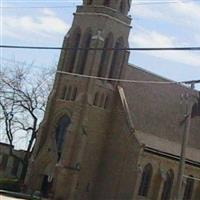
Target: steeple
{"type": "Point", "coordinates": [79, 109]}
{"type": "Point", "coordinates": [107, 17]}
{"type": "Point", "coordinates": [122, 6]}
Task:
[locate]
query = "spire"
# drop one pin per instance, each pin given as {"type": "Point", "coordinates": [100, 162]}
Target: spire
{"type": "Point", "coordinates": [123, 6]}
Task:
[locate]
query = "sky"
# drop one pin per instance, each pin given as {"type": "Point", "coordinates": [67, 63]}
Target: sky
{"type": "Point", "coordinates": [156, 23]}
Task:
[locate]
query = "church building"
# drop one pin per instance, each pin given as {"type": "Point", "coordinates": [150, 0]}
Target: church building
{"type": "Point", "coordinates": [106, 139]}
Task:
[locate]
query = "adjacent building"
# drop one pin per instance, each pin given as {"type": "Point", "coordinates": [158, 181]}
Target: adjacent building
{"type": "Point", "coordinates": [10, 165]}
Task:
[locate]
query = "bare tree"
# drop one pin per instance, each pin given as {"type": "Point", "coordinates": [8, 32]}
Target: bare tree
{"type": "Point", "coordinates": [7, 108]}
{"type": "Point", "coordinates": [22, 101]}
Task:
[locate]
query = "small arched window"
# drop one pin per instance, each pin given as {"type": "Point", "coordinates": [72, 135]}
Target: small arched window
{"type": "Point", "coordinates": [188, 189]}
{"type": "Point", "coordinates": [117, 59]}
{"type": "Point", "coordinates": [64, 53]}
{"type": "Point", "coordinates": [84, 53]}
{"type": "Point", "coordinates": [168, 186]}
{"type": "Point", "coordinates": [145, 181]}
{"type": "Point", "coordinates": [122, 7]}
{"type": "Point", "coordinates": [74, 92]}
{"type": "Point", "coordinates": [69, 93]}
{"type": "Point", "coordinates": [106, 3]}
{"type": "Point", "coordinates": [61, 131]}
{"type": "Point", "coordinates": [73, 52]}
{"type": "Point", "coordinates": [64, 93]}
{"type": "Point", "coordinates": [105, 56]}
{"type": "Point", "coordinates": [106, 102]}
{"type": "Point", "coordinates": [96, 98]}
{"type": "Point", "coordinates": [102, 101]}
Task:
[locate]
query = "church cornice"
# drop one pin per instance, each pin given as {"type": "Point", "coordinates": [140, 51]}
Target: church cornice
{"type": "Point", "coordinates": [104, 15]}
{"type": "Point", "coordinates": [170, 156]}
{"type": "Point", "coordinates": [99, 10]}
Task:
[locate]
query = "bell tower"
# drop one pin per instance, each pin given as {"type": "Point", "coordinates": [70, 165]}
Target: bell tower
{"type": "Point", "coordinates": [77, 118]}
{"type": "Point", "coordinates": [106, 19]}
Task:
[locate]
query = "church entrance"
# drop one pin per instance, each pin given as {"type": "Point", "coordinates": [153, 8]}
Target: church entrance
{"type": "Point", "coordinates": [46, 186]}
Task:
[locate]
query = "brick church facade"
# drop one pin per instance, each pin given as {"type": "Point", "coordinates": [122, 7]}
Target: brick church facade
{"type": "Point", "coordinates": [108, 139]}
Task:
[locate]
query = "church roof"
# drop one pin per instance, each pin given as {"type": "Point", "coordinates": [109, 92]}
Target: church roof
{"type": "Point", "coordinates": [167, 146]}
{"type": "Point", "coordinates": [157, 110]}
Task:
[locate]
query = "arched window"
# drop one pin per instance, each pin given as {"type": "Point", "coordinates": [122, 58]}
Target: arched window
{"type": "Point", "coordinates": [74, 92]}
{"type": "Point", "coordinates": [61, 130]}
{"type": "Point", "coordinates": [89, 2]}
{"type": "Point", "coordinates": [168, 186]}
{"type": "Point", "coordinates": [145, 181]}
{"type": "Point", "coordinates": [105, 56]}
{"type": "Point", "coordinates": [74, 45]}
{"type": "Point", "coordinates": [96, 98]}
{"type": "Point", "coordinates": [117, 59]}
{"type": "Point", "coordinates": [64, 53]}
{"type": "Point", "coordinates": [69, 93]}
{"type": "Point", "coordinates": [102, 101]}
{"type": "Point", "coordinates": [106, 102]}
{"type": "Point", "coordinates": [84, 53]}
{"type": "Point", "coordinates": [122, 7]}
{"type": "Point", "coordinates": [106, 3]}
{"type": "Point", "coordinates": [188, 189]}
{"type": "Point", "coordinates": [64, 93]}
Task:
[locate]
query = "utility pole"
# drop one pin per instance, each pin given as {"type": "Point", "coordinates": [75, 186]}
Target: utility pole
{"type": "Point", "coordinates": [185, 138]}
{"type": "Point", "coordinates": [189, 104]}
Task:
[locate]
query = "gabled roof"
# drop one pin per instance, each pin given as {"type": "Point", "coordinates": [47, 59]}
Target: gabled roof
{"type": "Point", "coordinates": [156, 109]}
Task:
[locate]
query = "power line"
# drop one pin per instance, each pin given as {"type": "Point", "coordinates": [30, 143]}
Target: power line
{"type": "Point", "coordinates": [192, 82]}
{"type": "Point", "coordinates": [79, 1]}
{"type": "Point", "coordinates": [121, 80]}
{"type": "Point", "coordinates": [108, 79]}
{"type": "Point", "coordinates": [164, 2]}
{"type": "Point", "coordinates": [64, 7]}
{"type": "Point", "coordinates": [101, 49]}
{"type": "Point", "coordinates": [36, 7]}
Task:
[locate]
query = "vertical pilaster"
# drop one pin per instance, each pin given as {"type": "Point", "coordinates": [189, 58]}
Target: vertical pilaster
{"type": "Point", "coordinates": [138, 181]}
{"type": "Point", "coordinates": [92, 62]}
{"type": "Point", "coordinates": [183, 187]}
{"type": "Point", "coordinates": [163, 176]}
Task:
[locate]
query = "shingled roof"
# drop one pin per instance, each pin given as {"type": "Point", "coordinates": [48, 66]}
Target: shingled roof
{"type": "Point", "coordinates": [156, 109]}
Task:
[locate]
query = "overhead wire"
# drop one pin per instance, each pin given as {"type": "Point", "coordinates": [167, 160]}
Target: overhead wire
{"type": "Point", "coordinates": [74, 3]}
{"type": "Point", "coordinates": [196, 48]}
{"type": "Point", "coordinates": [165, 2]}
{"type": "Point", "coordinates": [80, 1]}
{"type": "Point", "coordinates": [119, 80]}
{"type": "Point", "coordinates": [105, 78]}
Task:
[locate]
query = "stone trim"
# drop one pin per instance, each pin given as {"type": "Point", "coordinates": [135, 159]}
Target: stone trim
{"type": "Point", "coordinates": [170, 156]}
{"type": "Point", "coordinates": [105, 15]}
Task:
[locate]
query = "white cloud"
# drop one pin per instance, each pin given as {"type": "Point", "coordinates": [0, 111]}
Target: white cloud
{"type": "Point", "coordinates": [47, 11]}
{"type": "Point", "coordinates": [146, 12]}
{"type": "Point", "coordinates": [185, 14]}
{"type": "Point", "coordinates": [178, 21]}
{"type": "Point", "coordinates": [45, 24]}
{"type": "Point", "coordinates": [190, 9]}
{"type": "Point", "coordinates": [156, 39]}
